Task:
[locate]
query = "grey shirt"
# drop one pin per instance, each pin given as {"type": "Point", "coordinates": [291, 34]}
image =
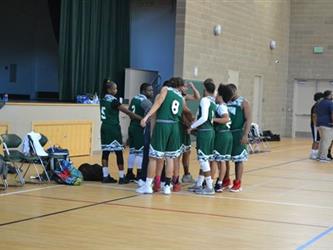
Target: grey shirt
{"type": "Point", "coordinates": [146, 105]}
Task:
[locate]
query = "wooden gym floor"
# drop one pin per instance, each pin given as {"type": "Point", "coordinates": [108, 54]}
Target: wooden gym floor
{"type": "Point", "coordinates": [287, 203]}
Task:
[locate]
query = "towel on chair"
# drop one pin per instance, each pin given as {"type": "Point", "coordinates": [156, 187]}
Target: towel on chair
{"type": "Point", "coordinates": [35, 137]}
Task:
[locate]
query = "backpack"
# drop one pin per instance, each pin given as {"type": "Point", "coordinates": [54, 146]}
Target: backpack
{"type": "Point", "coordinates": [91, 172]}
{"type": "Point", "coordinates": [67, 174]}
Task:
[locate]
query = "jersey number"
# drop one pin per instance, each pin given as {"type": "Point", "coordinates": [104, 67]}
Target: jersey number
{"type": "Point", "coordinates": [213, 116]}
{"type": "Point", "coordinates": [228, 124]}
{"type": "Point", "coordinates": [133, 108]}
{"type": "Point", "coordinates": [175, 107]}
{"type": "Point", "coordinates": [103, 117]}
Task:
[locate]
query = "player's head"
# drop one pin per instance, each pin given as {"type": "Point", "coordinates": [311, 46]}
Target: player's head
{"type": "Point", "coordinates": [233, 87]}
{"type": "Point", "coordinates": [147, 90]}
{"type": "Point", "coordinates": [167, 83]}
{"type": "Point", "coordinates": [177, 83]}
{"type": "Point", "coordinates": [226, 92]}
{"type": "Point", "coordinates": [317, 96]}
{"type": "Point", "coordinates": [110, 87]}
{"type": "Point", "coordinates": [327, 94]}
{"type": "Point", "coordinates": [209, 87]}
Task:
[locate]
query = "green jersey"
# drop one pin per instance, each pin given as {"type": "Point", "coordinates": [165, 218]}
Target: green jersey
{"type": "Point", "coordinates": [206, 102]}
{"type": "Point", "coordinates": [109, 110]}
{"type": "Point", "coordinates": [135, 107]}
{"type": "Point", "coordinates": [236, 113]}
{"type": "Point", "coordinates": [221, 110]}
{"type": "Point", "coordinates": [172, 107]}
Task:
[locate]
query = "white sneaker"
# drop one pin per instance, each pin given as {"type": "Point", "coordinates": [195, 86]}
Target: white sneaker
{"type": "Point", "coordinates": [167, 189]}
{"type": "Point", "coordinates": [324, 160]}
{"type": "Point", "coordinates": [187, 178]}
{"type": "Point", "coordinates": [194, 188]}
{"type": "Point", "coordinates": [5, 184]}
{"type": "Point", "coordinates": [140, 183]}
{"type": "Point", "coordinates": [145, 189]}
{"type": "Point", "coordinates": [313, 156]}
{"type": "Point", "coordinates": [206, 191]}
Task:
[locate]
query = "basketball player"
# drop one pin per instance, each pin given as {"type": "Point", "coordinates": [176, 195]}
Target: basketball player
{"type": "Point", "coordinates": [135, 131]}
{"type": "Point", "coordinates": [111, 138]}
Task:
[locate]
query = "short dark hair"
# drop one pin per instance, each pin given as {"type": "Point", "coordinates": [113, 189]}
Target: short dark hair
{"type": "Point", "coordinates": [144, 86]}
{"type": "Point", "coordinates": [107, 83]}
{"type": "Point", "coordinates": [327, 93]}
{"type": "Point", "coordinates": [176, 82]}
{"type": "Point", "coordinates": [232, 86]}
{"type": "Point", "coordinates": [317, 96]}
{"type": "Point", "coordinates": [226, 92]}
{"type": "Point", "coordinates": [167, 83]}
{"type": "Point", "coordinates": [209, 85]}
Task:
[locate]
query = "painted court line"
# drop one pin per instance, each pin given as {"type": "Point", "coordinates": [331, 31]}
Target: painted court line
{"type": "Point", "coordinates": [315, 239]}
{"type": "Point", "coordinates": [65, 211]}
{"type": "Point", "coordinates": [55, 198]}
{"type": "Point", "coordinates": [217, 215]}
{"type": "Point", "coordinates": [109, 202]}
{"type": "Point", "coordinates": [261, 201]}
{"type": "Point", "coordinates": [30, 190]}
{"type": "Point", "coordinates": [274, 165]}
{"type": "Point", "coordinates": [223, 197]}
{"type": "Point", "coordinates": [291, 178]}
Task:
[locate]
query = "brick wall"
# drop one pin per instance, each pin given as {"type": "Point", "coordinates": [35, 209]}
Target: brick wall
{"type": "Point", "coordinates": [248, 27]}
{"type": "Point", "coordinates": [311, 25]}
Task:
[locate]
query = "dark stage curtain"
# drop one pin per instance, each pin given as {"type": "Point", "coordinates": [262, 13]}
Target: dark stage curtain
{"type": "Point", "coordinates": [94, 44]}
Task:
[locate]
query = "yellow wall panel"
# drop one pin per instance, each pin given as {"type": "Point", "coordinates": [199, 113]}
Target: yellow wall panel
{"type": "Point", "coordinates": [3, 130]}
{"type": "Point", "coordinates": [73, 135]}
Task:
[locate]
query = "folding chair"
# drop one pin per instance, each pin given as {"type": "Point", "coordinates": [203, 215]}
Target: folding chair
{"type": "Point", "coordinates": [3, 172]}
{"type": "Point", "coordinates": [257, 142]}
{"type": "Point", "coordinates": [35, 159]}
{"type": "Point", "coordinates": [10, 144]}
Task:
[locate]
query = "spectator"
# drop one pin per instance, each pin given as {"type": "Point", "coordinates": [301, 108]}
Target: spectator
{"type": "Point", "coordinates": [315, 133]}
{"type": "Point", "coordinates": [324, 113]}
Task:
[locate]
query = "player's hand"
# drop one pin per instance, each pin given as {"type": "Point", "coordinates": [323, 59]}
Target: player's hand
{"type": "Point", "coordinates": [190, 84]}
{"type": "Point", "coordinates": [189, 130]}
{"type": "Point", "coordinates": [143, 122]}
{"type": "Point", "coordinates": [244, 140]}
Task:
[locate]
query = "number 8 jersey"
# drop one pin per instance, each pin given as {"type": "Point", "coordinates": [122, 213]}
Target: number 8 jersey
{"type": "Point", "coordinates": [172, 106]}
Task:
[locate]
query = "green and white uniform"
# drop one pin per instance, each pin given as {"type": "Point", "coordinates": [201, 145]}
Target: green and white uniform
{"type": "Point", "coordinates": [111, 139]}
{"type": "Point", "coordinates": [185, 138]}
{"type": "Point", "coordinates": [223, 136]}
{"type": "Point", "coordinates": [135, 131]}
{"type": "Point", "coordinates": [239, 151]}
{"type": "Point", "coordinates": [204, 124]}
{"type": "Point", "coordinates": [165, 141]}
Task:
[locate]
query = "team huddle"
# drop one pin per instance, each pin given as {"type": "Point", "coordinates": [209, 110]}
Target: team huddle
{"type": "Point", "coordinates": [159, 136]}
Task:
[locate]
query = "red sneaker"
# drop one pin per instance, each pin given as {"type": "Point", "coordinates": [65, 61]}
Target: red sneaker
{"type": "Point", "coordinates": [236, 187]}
{"type": "Point", "coordinates": [226, 183]}
{"type": "Point", "coordinates": [176, 187]}
{"type": "Point", "coordinates": [157, 186]}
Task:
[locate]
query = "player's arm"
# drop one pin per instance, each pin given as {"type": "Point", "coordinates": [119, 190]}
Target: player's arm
{"type": "Point", "coordinates": [196, 94]}
{"type": "Point", "coordinates": [248, 121]}
{"type": "Point", "coordinates": [132, 115]}
{"type": "Point", "coordinates": [223, 112]}
{"type": "Point", "coordinates": [314, 119]}
{"type": "Point", "coordinates": [185, 108]}
{"type": "Point", "coordinates": [223, 120]}
{"type": "Point", "coordinates": [157, 104]}
{"type": "Point", "coordinates": [204, 104]}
